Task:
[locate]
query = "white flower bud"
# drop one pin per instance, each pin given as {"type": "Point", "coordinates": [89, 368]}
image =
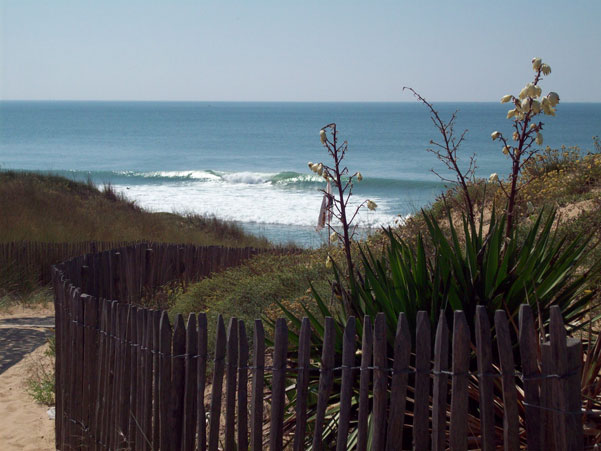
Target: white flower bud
{"type": "Point", "coordinates": [322, 136]}
{"type": "Point", "coordinates": [553, 98]}
{"type": "Point", "coordinates": [333, 237]}
{"type": "Point", "coordinates": [545, 69]}
{"type": "Point", "coordinates": [371, 205]}
{"type": "Point", "coordinates": [539, 139]}
{"type": "Point", "coordinates": [505, 150]}
{"type": "Point", "coordinates": [359, 176]}
{"type": "Point", "coordinates": [538, 92]}
{"type": "Point", "coordinates": [525, 105]}
{"type": "Point", "coordinates": [547, 108]}
{"type": "Point", "coordinates": [506, 98]}
{"type": "Point", "coordinates": [494, 135]}
{"type": "Point", "coordinates": [515, 136]}
{"type": "Point", "coordinates": [329, 263]}
{"type": "Point", "coordinates": [319, 169]}
{"type": "Point", "coordinates": [532, 91]}
{"type": "Point", "coordinates": [536, 106]}
{"type": "Point", "coordinates": [524, 92]}
{"type": "Point", "coordinates": [510, 114]}
{"type": "Point", "coordinates": [310, 164]}
{"type": "Point", "coordinates": [536, 63]}
{"type": "Point", "coordinates": [494, 177]}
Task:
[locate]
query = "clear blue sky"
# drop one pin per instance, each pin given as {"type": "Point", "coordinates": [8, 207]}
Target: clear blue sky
{"type": "Point", "coordinates": [296, 50]}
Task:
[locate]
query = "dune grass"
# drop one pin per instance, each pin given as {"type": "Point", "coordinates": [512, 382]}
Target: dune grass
{"type": "Point", "coordinates": [54, 209]}
{"type": "Point", "coordinates": [48, 208]}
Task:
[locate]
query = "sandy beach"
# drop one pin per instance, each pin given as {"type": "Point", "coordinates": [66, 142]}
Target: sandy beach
{"type": "Point", "coordinates": [24, 425]}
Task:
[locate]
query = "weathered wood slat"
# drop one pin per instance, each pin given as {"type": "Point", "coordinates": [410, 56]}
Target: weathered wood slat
{"type": "Point", "coordinates": [439, 391]}
{"type": "Point", "coordinates": [398, 387]}
{"type": "Point", "coordinates": [529, 351]}
{"type": "Point", "coordinates": [90, 363]}
{"type": "Point", "coordinates": [129, 408]}
{"type": "Point", "coordinates": [559, 365]}
{"type": "Point", "coordinates": [380, 389]}
{"type": "Point", "coordinates": [110, 407]}
{"type": "Point", "coordinates": [421, 417]}
{"type": "Point", "coordinates": [256, 412]}
{"type": "Point", "coordinates": [215, 415]}
{"type": "Point", "coordinates": [574, 424]}
{"type": "Point", "coordinates": [122, 416]}
{"type": "Point", "coordinates": [201, 370]}
{"type": "Point", "coordinates": [278, 386]}
{"type": "Point", "coordinates": [141, 380]}
{"type": "Point", "coordinates": [459, 394]}
{"type": "Point", "coordinates": [76, 406]}
{"type": "Point", "coordinates": [190, 410]}
{"type": "Point", "coordinates": [165, 381]}
{"type": "Point", "coordinates": [366, 361]}
{"type": "Point", "coordinates": [485, 381]}
{"type": "Point", "coordinates": [302, 384]}
{"type": "Point", "coordinates": [231, 384]}
{"type": "Point", "coordinates": [325, 382]}
{"type": "Point", "coordinates": [546, 394]}
{"type": "Point", "coordinates": [148, 379]}
{"type": "Point", "coordinates": [242, 411]}
{"type": "Point", "coordinates": [178, 382]}
{"type": "Point", "coordinates": [346, 388]}
{"type": "Point", "coordinates": [511, 424]}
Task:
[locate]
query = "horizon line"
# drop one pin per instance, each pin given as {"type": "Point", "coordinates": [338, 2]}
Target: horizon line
{"type": "Point", "coordinates": [263, 101]}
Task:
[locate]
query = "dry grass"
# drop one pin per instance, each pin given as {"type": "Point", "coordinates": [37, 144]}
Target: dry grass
{"type": "Point", "coordinates": [54, 209]}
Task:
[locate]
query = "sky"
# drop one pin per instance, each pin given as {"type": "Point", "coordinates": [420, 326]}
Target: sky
{"type": "Point", "coordinates": [296, 50]}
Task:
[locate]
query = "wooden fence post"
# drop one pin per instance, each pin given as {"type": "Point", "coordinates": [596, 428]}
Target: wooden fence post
{"type": "Point", "coordinates": [325, 382]}
{"type": "Point", "coordinates": [511, 424]}
{"type": "Point", "coordinates": [421, 417]}
{"type": "Point", "coordinates": [348, 361]}
{"type": "Point", "coordinates": [485, 381]}
{"type": "Point", "coordinates": [366, 362]}
{"type": "Point", "coordinates": [231, 384]}
{"type": "Point", "coordinates": [302, 384]}
{"type": "Point", "coordinates": [380, 389]}
{"type": "Point", "coordinates": [165, 381]}
{"type": "Point", "coordinates": [201, 369]}
{"type": "Point", "coordinates": [256, 408]}
{"type": "Point", "coordinates": [190, 398]}
{"type": "Point", "coordinates": [278, 386]}
{"type": "Point", "coordinates": [398, 386]}
{"type": "Point", "coordinates": [440, 390]}
{"type": "Point", "coordinates": [215, 417]}
{"type": "Point", "coordinates": [529, 348]}
{"type": "Point", "coordinates": [242, 387]}
{"type": "Point", "coordinates": [459, 394]}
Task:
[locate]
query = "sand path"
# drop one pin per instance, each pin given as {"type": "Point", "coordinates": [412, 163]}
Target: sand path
{"type": "Point", "coordinates": [24, 425]}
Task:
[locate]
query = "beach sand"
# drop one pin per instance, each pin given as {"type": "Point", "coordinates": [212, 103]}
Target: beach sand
{"type": "Point", "coordinates": [24, 425]}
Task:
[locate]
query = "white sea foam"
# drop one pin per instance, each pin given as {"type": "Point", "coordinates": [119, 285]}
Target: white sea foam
{"type": "Point", "coordinates": [246, 201]}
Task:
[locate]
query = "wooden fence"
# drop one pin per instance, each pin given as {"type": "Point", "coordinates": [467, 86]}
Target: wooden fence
{"type": "Point", "coordinates": [127, 380]}
{"type": "Point", "coordinates": [35, 259]}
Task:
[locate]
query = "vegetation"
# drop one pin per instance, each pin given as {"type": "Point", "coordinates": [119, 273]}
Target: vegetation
{"type": "Point", "coordinates": [255, 288]}
{"type": "Point", "coordinates": [50, 208]}
{"type": "Point", "coordinates": [532, 237]}
{"type": "Point", "coordinates": [40, 383]}
{"type": "Point", "coordinates": [53, 209]}
{"type": "Point", "coordinates": [462, 259]}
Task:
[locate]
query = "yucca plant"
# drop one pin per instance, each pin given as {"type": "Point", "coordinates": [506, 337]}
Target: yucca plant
{"type": "Point", "coordinates": [448, 269]}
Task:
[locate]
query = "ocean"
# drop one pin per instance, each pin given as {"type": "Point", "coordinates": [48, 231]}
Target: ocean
{"type": "Point", "coordinates": [247, 162]}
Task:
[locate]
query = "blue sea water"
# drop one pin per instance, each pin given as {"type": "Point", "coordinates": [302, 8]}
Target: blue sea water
{"type": "Point", "coordinates": [247, 162]}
